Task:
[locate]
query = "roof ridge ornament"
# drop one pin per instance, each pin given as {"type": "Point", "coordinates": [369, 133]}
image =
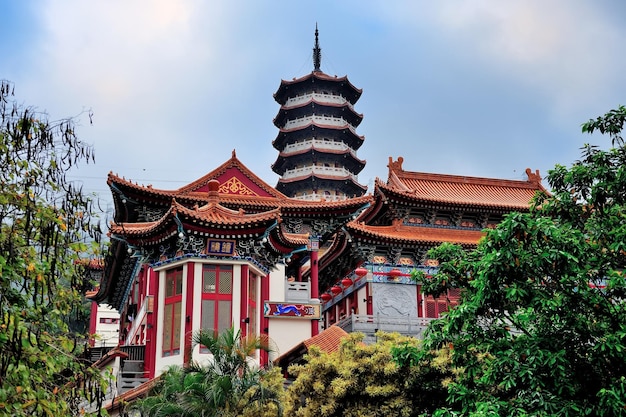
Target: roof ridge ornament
{"type": "Point", "coordinates": [534, 178]}
{"type": "Point", "coordinates": [317, 52]}
{"type": "Point", "coordinates": [214, 195]}
{"type": "Point", "coordinates": [395, 165]}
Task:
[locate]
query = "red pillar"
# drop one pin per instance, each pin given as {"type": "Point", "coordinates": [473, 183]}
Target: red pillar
{"type": "Point", "coordinates": [265, 323]}
{"type": "Point", "coordinates": [243, 301]}
{"type": "Point", "coordinates": [315, 293]}
{"type": "Point", "coordinates": [368, 297]}
{"type": "Point", "coordinates": [189, 312]}
{"type": "Point", "coordinates": [151, 325]}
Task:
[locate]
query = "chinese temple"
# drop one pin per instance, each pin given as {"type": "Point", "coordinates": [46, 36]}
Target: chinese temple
{"type": "Point", "coordinates": [229, 250]}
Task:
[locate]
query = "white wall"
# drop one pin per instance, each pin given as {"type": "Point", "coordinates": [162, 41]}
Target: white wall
{"type": "Point", "coordinates": [286, 333]}
{"type": "Point", "coordinates": [107, 334]}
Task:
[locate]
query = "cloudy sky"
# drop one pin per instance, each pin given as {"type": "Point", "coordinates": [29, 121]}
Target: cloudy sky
{"type": "Point", "coordinates": [479, 88]}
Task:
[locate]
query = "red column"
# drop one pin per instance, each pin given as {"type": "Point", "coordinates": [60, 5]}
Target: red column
{"type": "Point", "coordinates": [315, 293]}
{"type": "Point", "coordinates": [152, 328]}
{"type": "Point", "coordinates": [243, 302]}
{"type": "Point", "coordinates": [189, 312]}
{"type": "Point", "coordinates": [265, 323]}
{"type": "Point", "coordinates": [368, 297]}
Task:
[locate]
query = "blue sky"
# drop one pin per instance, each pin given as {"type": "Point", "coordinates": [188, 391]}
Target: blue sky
{"type": "Point", "coordinates": [478, 88]}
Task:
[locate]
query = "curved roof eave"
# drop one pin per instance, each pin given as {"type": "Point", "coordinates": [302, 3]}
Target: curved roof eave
{"type": "Point", "coordinates": [415, 234]}
{"type": "Point", "coordinates": [322, 177]}
{"type": "Point", "coordinates": [317, 75]}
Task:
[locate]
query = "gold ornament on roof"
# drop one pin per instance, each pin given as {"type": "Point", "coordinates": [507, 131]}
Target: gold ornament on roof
{"type": "Point", "coordinates": [235, 186]}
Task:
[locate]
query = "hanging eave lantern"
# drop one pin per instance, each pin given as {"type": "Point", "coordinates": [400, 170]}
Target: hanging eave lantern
{"type": "Point", "coordinates": [360, 272]}
{"type": "Point", "coordinates": [346, 282]}
{"type": "Point", "coordinates": [336, 290]}
{"type": "Point", "coordinates": [394, 273]}
{"type": "Point", "coordinates": [326, 297]}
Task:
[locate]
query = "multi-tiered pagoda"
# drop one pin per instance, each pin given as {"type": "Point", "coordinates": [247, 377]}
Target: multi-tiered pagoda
{"type": "Point", "coordinates": [317, 137]}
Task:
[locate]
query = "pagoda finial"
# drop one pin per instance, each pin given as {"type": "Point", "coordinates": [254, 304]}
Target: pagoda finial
{"type": "Point", "coordinates": [317, 52]}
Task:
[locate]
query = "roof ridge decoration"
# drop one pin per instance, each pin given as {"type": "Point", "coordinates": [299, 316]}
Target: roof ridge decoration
{"type": "Point", "coordinates": [393, 178]}
{"type": "Point", "coordinates": [534, 178]}
{"type": "Point", "coordinates": [235, 165]}
{"type": "Point", "coordinates": [235, 186]}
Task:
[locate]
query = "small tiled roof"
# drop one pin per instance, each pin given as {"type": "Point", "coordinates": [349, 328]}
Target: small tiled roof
{"type": "Point", "coordinates": [132, 394]}
{"type": "Point", "coordinates": [108, 357]}
{"type": "Point", "coordinates": [296, 238]}
{"type": "Point", "coordinates": [417, 234]}
{"type": "Point", "coordinates": [212, 214]}
{"type": "Point", "coordinates": [461, 190]}
{"type": "Point", "coordinates": [215, 213]}
{"type": "Point", "coordinates": [328, 340]}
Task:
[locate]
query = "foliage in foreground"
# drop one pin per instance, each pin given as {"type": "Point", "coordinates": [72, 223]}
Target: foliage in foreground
{"type": "Point", "coordinates": [541, 327]}
{"type": "Point", "coordinates": [364, 380]}
{"type": "Point", "coordinates": [44, 221]}
{"type": "Point", "coordinates": [227, 385]}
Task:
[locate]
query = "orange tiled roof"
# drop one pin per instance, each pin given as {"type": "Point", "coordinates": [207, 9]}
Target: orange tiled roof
{"type": "Point", "coordinates": [273, 201]}
{"type": "Point", "coordinates": [212, 213]}
{"type": "Point", "coordinates": [132, 394]}
{"type": "Point", "coordinates": [328, 341]}
{"type": "Point", "coordinates": [461, 190]}
{"type": "Point", "coordinates": [190, 189]}
{"type": "Point", "coordinates": [433, 235]}
{"type": "Point", "coordinates": [215, 213]}
{"type": "Point", "coordinates": [140, 228]}
{"type": "Point", "coordinates": [296, 239]}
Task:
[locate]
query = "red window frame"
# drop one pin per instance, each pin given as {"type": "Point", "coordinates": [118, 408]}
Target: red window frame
{"type": "Point", "coordinates": [172, 311]}
{"type": "Point", "coordinates": [217, 297]}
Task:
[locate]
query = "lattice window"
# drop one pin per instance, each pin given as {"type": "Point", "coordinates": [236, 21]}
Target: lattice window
{"type": "Point", "coordinates": [172, 322]}
{"type": "Point", "coordinates": [217, 285]}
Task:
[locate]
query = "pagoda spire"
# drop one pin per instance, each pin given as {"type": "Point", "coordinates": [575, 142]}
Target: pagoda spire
{"type": "Point", "coordinates": [317, 52]}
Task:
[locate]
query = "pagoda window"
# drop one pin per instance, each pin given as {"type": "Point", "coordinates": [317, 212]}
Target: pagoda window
{"type": "Point", "coordinates": [172, 311]}
{"type": "Point", "coordinates": [217, 297]}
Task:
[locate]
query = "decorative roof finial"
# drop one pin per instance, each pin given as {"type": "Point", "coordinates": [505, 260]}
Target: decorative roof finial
{"type": "Point", "coordinates": [317, 52]}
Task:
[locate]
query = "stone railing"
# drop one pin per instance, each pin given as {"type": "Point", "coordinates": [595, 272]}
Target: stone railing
{"type": "Point", "coordinates": [370, 324]}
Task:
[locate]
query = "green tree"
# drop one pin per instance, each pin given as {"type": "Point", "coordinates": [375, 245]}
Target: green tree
{"type": "Point", "coordinates": [364, 380]}
{"type": "Point", "coordinates": [541, 327]}
{"type": "Point", "coordinates": [226, 385]}
{"type": "Point", "coordinates": [45, 221]}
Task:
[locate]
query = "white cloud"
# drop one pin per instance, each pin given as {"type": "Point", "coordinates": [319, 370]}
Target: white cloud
{"type": "Point", "coordinates": [559, 48]}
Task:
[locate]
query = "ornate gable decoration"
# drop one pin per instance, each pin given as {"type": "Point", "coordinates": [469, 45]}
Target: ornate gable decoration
{"type": "Point", "coordinates": [235, 186]}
